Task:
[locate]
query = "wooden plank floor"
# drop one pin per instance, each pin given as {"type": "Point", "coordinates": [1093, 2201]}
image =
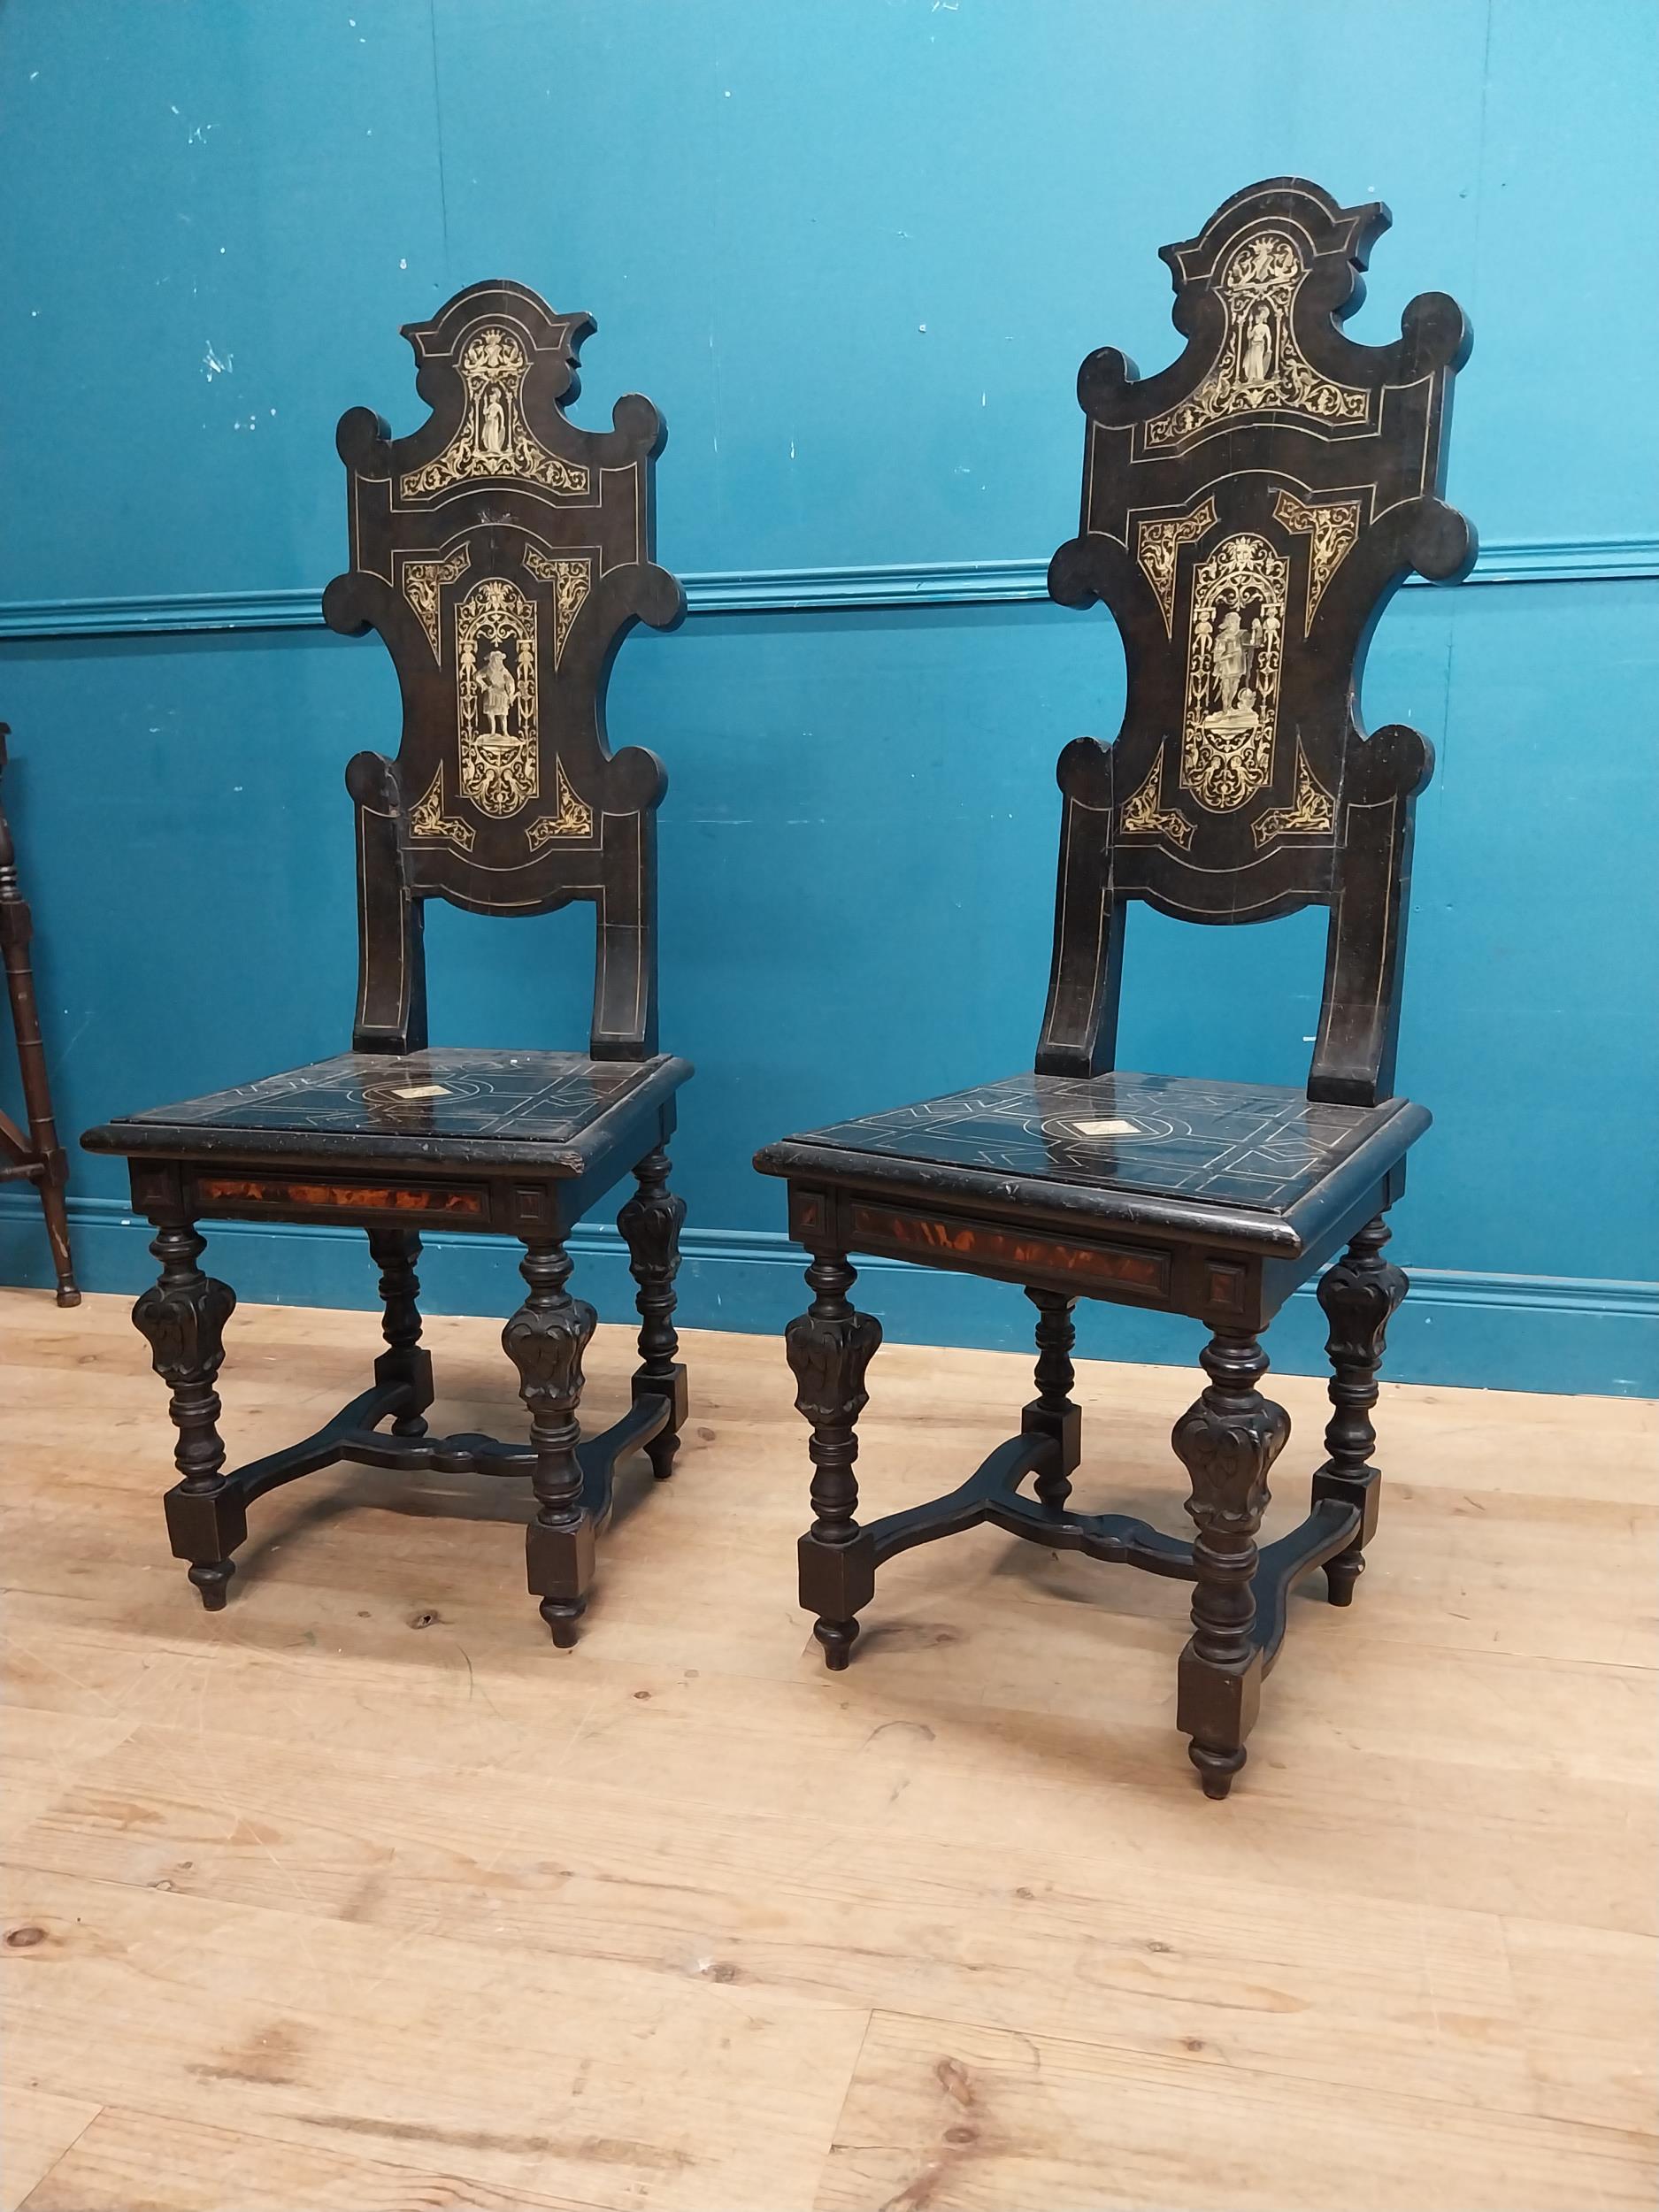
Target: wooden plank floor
{"type": "Point", "coordinates": [361, 1895]}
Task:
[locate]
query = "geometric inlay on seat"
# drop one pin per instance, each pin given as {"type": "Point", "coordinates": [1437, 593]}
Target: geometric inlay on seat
{"type": "Point", "coordinates": [445, 1092]}
{"type": "Point", "coordinates": [1240, 1144]}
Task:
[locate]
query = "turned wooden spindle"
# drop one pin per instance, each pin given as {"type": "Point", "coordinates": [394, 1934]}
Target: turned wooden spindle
{"type": "Point", "coordinates": [1227, 1442]}
{"type": "Point", "coordinates": [830, 1347]}
{"type": "Point", "coordinates": [1360, 1294]}
{"type": "Point", "coordinates": [1052, 1412]}
{"type": "Point", "coordinates": [650, 1224]}
{"type": "Point", "coordinates": [182, 1317]}
{"type": "Point", "coordinates": [545, 1341]}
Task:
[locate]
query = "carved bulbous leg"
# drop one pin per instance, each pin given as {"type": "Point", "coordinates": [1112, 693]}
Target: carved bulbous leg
{"type": "Point", "coordinates": [1227, 1443]}
{"type": "Point", "coordinates": [403, 1360]}
{"type": "Point", "coordinates": [545, 1341]}
{"type": "Point", "coordinates": [183, 1318]}
{"type": "Point", "coordinates": [830, 1345]}
{"type": "Point", "coordinates": [650, 1224]}
{"type": "Point", "coordinates": [1051, 1413]}
{"type": "Point", "coordinates": [1361, 1295]}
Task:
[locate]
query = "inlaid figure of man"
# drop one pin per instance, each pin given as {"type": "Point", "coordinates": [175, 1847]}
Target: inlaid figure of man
{"type": "Point", "coordinates": [499, 691]}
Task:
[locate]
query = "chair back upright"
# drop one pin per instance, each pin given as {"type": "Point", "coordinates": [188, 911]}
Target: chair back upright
{"type": "Point", "coordinates": [502, 554]}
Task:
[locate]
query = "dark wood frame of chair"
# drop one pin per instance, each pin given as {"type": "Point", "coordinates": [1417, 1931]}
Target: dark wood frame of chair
{"type": "Point", "coordinates": [502, 555]}
{"type": "Point", "coordinates": [1278, 474]}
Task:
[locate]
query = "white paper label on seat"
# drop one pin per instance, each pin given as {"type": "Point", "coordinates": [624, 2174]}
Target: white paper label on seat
{"type": "Point", "coordinates": [1106, 1128]}
{"type": "Point", "coordinates": [423, 1090]}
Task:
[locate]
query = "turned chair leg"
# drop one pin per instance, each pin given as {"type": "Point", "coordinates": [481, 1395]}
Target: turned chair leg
{"type": "Point", "coordinates": [1227, 1442]}
{"type": "Point", "coordinates": [830, 1345]}
{"type": "Point", "coordinates": [1361, 1293]}
{"type": "Point", "coordinates": [545, 1341]}
{"type": "Point", "coordinates": [1051, 1413]}
{"type": "Point", "coordinates": [183, 1318]}
{"type": "Point", "coordinates": [650, 1224]}
{"type": "Point", "coordinates": [395, 1252]}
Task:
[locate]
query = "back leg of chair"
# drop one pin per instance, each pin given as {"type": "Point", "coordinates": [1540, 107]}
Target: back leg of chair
{"type": "Point", "coordinates": [403, 1360]}
{"type": "Point", "coordinates": [1360, 1294]}
{"type": "Point", "coordinates": [650, 1224]}
{"type": "Point", "coordinates": [1052, 1412]}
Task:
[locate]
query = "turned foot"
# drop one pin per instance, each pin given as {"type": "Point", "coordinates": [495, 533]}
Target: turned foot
{"type": "Point", "coordinates": [1341, 1575]}
{"type": "Point", "coordinates": [562, 1619]}
{"type": "Point", "coordinates": [838, 1638]}
{"type": "Point", "coordinates": [1215, 1769]}
{"type": "Point", "coordinates": [212, 1579]}
{"type": "Point", "coordinates": [206, 1521]}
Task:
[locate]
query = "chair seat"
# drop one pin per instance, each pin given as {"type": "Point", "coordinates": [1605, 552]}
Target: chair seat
{"type": "Point", "coordinates": [1152, 1150]}
{"type": "Point", "coordinates": [556, 1111]}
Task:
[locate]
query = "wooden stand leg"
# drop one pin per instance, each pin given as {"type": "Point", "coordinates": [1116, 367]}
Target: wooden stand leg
{"type": "Point", "coordinates": [53, 1206]}
{"type": "Point", "coordinates": [42, 1155]}
{"type": "Point", "coordinates": [650, 1224]}
{"type": "Point", "coordinates": [183, 1317]}
{"type": "Point", "coordinates": [1361, 1295]}
{"type": "Point", "coordinates": [830, 1345]}
{"type": "Point", "coordinates": [1051, 1413]}
{"type": "Point", "coordinates": [395, 1252]}
{"type": "Point", "coordinates": [1227, 1443]}
{"type": "Point", "coordinates": [545, 1341]}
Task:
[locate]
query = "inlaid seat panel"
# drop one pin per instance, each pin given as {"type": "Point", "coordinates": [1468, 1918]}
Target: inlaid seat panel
{"type": "Point", "coordinates": [1233, 1144]}
{"type": "Point", "coordinates": [442, 1101]}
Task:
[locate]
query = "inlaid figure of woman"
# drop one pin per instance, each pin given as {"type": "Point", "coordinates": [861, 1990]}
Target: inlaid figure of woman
{"type": "Point", "coordinates": [492, 423]}
{"type": "Point", "coordinates": [1258, 347]}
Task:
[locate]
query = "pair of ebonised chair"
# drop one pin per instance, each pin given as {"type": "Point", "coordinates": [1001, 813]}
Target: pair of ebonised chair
{"type": "Point", "coordinates": [1246, 514]}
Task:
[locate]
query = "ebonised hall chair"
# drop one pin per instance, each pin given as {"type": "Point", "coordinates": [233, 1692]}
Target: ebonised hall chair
{"type": "Point", "coordinates": [502, 554]}
{"type": "Point", "coordinates": [1247, 513]}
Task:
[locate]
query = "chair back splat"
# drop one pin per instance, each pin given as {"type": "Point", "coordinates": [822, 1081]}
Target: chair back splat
{"type": "Point", "coordinates": [503, 555]}
{"type": "Point", "coordinates": [1247, 515]}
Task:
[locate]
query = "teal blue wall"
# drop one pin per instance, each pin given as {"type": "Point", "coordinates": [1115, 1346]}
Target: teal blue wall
{"type": "Point", "coordinates": [855, 253]}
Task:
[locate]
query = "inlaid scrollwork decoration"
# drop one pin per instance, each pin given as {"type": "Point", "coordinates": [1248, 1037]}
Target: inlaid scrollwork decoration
{"type": "Point", "coordinates": [1234, 649]}
{"type": "Point", "coordinates": [493, 439]}
{"type": "Point", "coordinates": [1247, 510]}
{"type": "Point", "coordinates": [1261, 368]}
{"type": "Point", "coordinates": [502, 553]}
